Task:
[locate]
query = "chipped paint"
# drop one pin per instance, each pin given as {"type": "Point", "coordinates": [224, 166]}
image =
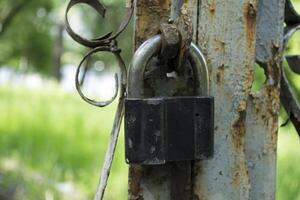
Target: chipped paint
{"type": "Point", "coordinates": [134, 183]}
{"type": "Point", "coordinates": [220, 75]}
{"type": "Point", "coordinates": [246, 133]}
{"type": "Point", "coordinates": [250, 19]}
{"type": "Point", "coordinates": [149, 15]}
{"type": "Point", "coordinates": [263, 106]}
{"type": "Point", "coordinates": [238, 132]}
{"type": "Point", "coordinates": [212, 7]}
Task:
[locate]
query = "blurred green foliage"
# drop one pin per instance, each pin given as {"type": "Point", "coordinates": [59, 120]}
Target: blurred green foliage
{"type": "Point", "coordinates": [27, 40]}
{"type": "Point", "coordinates": [288, 171]}
{"type": "Point", "coordinates": [27, 37]}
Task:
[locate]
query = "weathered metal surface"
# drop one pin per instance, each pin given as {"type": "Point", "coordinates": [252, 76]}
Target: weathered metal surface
{"type": "Point", "coordinates": [263, 105]}
{"type": "Point", "coordinates": [149, 182]}
{"type": "Point", "coordinates": [269, 29]}
{"type": "Point", "coordinates": [170, 42]}
{"type": "Point", "coordinates": [226, 33]}
{"type": "Point", "coordinates": [167, 129]}
{"type": "Point", "coordinates": [244, 165]}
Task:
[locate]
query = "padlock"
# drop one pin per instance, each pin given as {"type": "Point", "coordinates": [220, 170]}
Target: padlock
{"type": "Point", "coordinates": [166, 129]}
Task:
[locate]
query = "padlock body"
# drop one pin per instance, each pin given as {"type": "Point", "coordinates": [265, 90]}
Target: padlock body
{"type": "Point", "coordinates": [160, 130]}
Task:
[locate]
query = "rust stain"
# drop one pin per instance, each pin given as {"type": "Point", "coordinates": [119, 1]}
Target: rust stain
{"type": "Point", "coordinates": [134, 186]}
{"type": "Point", "coordinates": [240, 173]}
{"type": "Point", "coordinates": [199, 190]}
{"type": "Point", "coordinates": [248, 80]}
{"type": "Point", "coordinates": [266, 105]}
{"type": "Point", "coordinates": [241, 106]}
{"type": "Point", "coordinates": [274, 135]}
{"type": "Point", "coordinates": [219, 44]}
{"type": "Point", "coordinates": [149, 16]}
{"type": "Point", "coordinates": [250, 19]}
{"type": "Point", "coordinates": [266, 102]}
{"type": "Point", "coordinates": [238, 130]}
{"type": "Point", "coordinates": [220, 74]}
{"type": "Point", "coordinates": [212, 8]}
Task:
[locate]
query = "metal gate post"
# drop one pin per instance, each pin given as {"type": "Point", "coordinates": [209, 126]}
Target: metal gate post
{"type": "Point", "coordinates": [244, 165]}
{"type": "Point", "coordinates": [156, 182]}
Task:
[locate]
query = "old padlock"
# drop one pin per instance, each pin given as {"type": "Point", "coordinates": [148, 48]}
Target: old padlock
{"type": "Point", "coordinates": [166, 129]}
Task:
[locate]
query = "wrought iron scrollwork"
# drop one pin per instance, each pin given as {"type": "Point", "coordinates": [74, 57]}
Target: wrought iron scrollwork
{"type": "Point", "coordinates": [105, 43]}
{"type": "Point", "coordinates": [288, 96]}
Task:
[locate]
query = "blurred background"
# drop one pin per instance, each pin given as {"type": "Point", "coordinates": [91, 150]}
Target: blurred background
{"type": "Point", "coordinates": [52, 143]}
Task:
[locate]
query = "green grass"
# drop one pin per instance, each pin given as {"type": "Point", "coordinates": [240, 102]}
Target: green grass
{"type": "Point", "coordinates": [288, 169]}
{"type": "Point", "coordinates": [48, 137]}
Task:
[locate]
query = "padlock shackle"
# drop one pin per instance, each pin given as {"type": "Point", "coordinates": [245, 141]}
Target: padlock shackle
{"type": "Point", "coordinates": [150, 48]}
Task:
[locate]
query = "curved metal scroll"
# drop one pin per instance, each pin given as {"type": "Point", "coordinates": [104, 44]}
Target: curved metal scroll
{"type": "Point", "coordinates": [288, 96]}
{"type": "Point", "coordinates": [106, 43]}
{"type": "Point", "coordinates": [100, 9]}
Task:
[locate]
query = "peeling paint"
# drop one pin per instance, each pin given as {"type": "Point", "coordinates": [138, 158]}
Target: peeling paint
{"type": "Point", "coordinates": [238, 132]}
{"type": "Point", "coordinates": [135, 174]}
{"type": "Point", "coordinates": [229, 42]}
{"type": "Point", "coordinates": [212, 7]}
{"type": "Point", "coordinates": [149, 16]}
{"type": "Point", "coordinates": [220, 74]}
{"type": "Point", "coordinates": [263, 106]}
{"type": "Point", "coordinates": [250, 19]}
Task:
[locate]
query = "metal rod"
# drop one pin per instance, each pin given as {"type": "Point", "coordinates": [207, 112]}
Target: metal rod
{"type": "Point", "coordinates": [176, 9]}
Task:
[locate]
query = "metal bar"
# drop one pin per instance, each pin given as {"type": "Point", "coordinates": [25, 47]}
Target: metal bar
{"type": "Point", "coordinates": [149, 182]}
{"type": "Point", "coordinates": [263, 105]}
{"type": "Point", "coordinates": [175, 9]}
{"type": "Point", "coordinates": [244, 163]}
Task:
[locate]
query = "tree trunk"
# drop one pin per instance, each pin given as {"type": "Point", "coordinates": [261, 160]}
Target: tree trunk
{"type": "Point", "coordinates": [233, 35]}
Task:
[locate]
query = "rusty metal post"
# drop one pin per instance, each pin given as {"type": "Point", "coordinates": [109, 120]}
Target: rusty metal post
{"type": "Point", "coordinates": [233, 36]}
{"type": "Point", "coordinates": [170, 181]}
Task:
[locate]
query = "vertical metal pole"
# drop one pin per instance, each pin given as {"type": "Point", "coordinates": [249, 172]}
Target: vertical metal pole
{"type": "Point", "coordinates": [149, 182]}
{"type": "Point", "coordinates": [263, 106]}
{"type": "Point", "coordinates": [175, 9]}
{"type": "Point", "coordinates": [173, 180]}
{"type": "Point", "coordinates": [233, 35]}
